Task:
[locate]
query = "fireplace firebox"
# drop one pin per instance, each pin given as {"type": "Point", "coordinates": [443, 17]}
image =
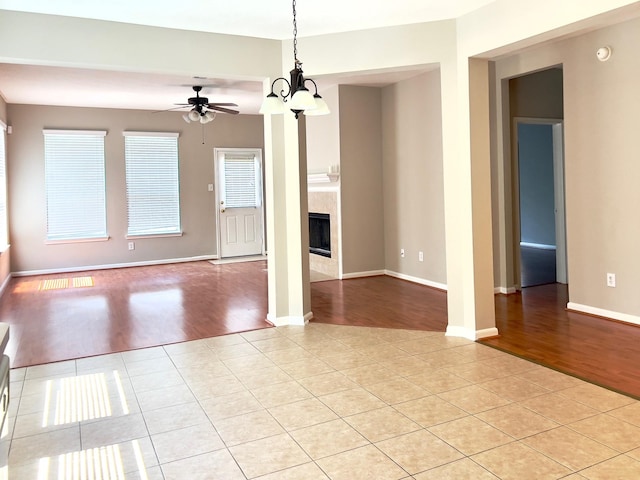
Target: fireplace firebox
{"type": "Point", "coordinates": [320, 234]}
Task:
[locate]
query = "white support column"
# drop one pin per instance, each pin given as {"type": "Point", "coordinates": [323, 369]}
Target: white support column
{"type": "Point", "coordinates": [286, 210]}
{"type": "Point", "coordinates": [467, 190]}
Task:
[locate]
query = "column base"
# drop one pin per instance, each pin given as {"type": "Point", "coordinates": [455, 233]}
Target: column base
{"type": "Point", "coordinates": [454, 331]}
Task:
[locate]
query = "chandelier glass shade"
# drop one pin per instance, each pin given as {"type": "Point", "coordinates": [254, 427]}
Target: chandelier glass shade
{"type": "Point", "coordinates": [295, 92]}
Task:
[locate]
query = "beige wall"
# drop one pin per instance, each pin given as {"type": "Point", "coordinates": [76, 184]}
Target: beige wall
{"type": "Point", "coordinates": [601, 169]}
{"type": "Point", "coordinates": [413, 182]}
{"type": "Point", "coordinates": [361, 179]}
{"type": "Point", "coordinates": [323, 144]}
{"type": "Point", "coordinates": [407, 185]}
{"type": "Point", "coordinates": [27, 188]}
{"type": "Point", "coordinates": [537, 95]}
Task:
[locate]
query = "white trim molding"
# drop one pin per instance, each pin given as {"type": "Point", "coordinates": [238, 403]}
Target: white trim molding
{"type": "Point", "coordinates": [421, 281]}
{"type": "Point", "coordinates": [97, 133]}
{"type": "Point", "coordinates": [370, 273]}
{"type": "Point", "coordinates": [3, 288]}
{"type": "Point", "coordinates": [504, 290]}
{"type": "Point", "coordinates": [150, 134]}
{"type": "Point", "coordinates": [323, 177]}
{"type": "Point", "coordinates": [401, 276]}
{"type": "Point", "coordinates": [114, 265]}
{"type": "Point", "coordinates": [600, 312]}
{"type": "Point", "coordinates": [455, 331]}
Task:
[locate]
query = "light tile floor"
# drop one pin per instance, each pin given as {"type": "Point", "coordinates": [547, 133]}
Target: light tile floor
{"type": "Point", "coordinates": [317, 402]}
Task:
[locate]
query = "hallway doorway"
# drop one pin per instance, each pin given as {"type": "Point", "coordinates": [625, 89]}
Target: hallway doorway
{"type": "Point", "coordinates": [540, 185]}
{"type": "Point", "coordinates": [536, 225]}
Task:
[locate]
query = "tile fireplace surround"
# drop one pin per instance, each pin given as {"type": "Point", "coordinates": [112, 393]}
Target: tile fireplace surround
{"type": "Point", "coordinates": [326, 202]}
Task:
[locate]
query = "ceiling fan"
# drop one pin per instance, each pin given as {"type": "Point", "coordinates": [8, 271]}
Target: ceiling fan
{"type": "Point", "coordinates": [202, 110]}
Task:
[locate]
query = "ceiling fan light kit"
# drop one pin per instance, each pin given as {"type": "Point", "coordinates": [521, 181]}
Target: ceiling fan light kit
{"type": "Point", "coordinates": [202, 117]}
{"type": "Point", "coordinates": [301, 100]}
{"type": "Point", "coordinates": [202, 110]}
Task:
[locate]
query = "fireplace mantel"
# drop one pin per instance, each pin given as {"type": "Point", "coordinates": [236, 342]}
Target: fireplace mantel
{"type": "Point", "coordinates": [323, 177]}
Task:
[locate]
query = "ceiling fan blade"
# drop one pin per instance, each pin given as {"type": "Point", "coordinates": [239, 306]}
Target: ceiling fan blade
{"type": "Point", "coordinates": [223, 110]}
{"type": "Point", "coordinates": [169, 109]}
{"type": "Point", "coordinates": [219, 104]}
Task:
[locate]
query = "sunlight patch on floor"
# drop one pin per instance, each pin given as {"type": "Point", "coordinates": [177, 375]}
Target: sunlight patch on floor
{"type": "Point", "coordinates": [62, 283]}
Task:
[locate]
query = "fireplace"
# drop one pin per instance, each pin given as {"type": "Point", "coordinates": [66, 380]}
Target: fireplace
{"type": "Point", "coordinates": [320, 234]}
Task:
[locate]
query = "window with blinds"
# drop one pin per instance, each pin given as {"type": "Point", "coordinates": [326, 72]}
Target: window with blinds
{"type": "Point", "coordinates": [75, 185]}
{"type": "Point", "coordinates": [4, 237]}
{"type": "Point", "coordinates": [153, 184]}
{"type": "Point", "coordinates": [241, 186]}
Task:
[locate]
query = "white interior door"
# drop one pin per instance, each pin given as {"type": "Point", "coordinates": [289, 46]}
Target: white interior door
{"type": "Point", "coordinates": [239, 202]}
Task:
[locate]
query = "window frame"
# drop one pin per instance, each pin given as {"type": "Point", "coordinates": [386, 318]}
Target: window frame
{"type": "Point", "coordinates": [139, 234]}
{"type": "Point", "coordinates": [50, 240]}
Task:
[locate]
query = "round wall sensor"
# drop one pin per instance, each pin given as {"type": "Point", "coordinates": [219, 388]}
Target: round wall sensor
{"type": "Point", "coordinates": [603, 53]}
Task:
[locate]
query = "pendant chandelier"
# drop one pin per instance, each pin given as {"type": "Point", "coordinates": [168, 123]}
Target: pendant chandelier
{"type": "Point", "coordinates": [296, 94]}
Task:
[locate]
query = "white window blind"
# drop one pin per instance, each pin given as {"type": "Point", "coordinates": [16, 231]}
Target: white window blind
{"type": "Point", "coordinates": [4, 237]}
{"type": "Point", "coordinates": [241, 182]}
{"type": "Point", "coordinates": [75, 185]}
{"type": "Point", "coordinates": [153, 185]}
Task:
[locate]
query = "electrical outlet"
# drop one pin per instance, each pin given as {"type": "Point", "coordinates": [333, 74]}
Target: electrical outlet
{"type": "Point", "coordinates": [420, 256]}
{"type": "Point", "coordinates": [611, 279]}
{"type": "Point", "coordinates": [402, 252]}
{"type": "Point", "coordinates": [132, 246]}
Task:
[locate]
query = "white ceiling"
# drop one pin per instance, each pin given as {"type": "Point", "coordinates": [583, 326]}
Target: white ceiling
{"type": "Point", "coordinates": [24, 84]}
{"type": "Point", "coordinates": [255, 18]}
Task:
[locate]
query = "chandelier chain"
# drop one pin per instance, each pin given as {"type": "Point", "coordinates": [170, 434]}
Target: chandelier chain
{"type": "Point", "coordinates": [295, 34]}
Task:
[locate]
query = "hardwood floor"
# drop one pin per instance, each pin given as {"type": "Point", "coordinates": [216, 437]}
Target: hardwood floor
{"type": "Point", "coordinates": [131, 308]}
{"type": "Point", "coordinates": [380, 301]}
{"type": "Point", "coordinates": [138, 307]}
{"type": "Point", "coordinates": [537, 266]}
{"type": "Point", "coordinates": [535, 324]}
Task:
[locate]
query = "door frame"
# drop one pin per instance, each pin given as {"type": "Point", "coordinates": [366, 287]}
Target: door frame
{"type": "Point", "coordinates": [558, 193]}
{"type": "Point", "coordinates": [217, 154]}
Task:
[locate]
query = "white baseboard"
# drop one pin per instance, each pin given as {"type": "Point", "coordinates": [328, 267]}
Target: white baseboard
{"type": "Point", "coordinates": [455, 331]}
{"type": "Point", "coordinates": [114, 265]}
{"type": "Point", "coordinates": [600, 312]}
{"type": "Point", "coordinates": [505, 290]}
{"type": "Point", "coordinates": [487, 332]}
{"type": "Point", "coordinates": [5, 283]}
{"type": "Point", "coordinates": [421, 281]}
{"type": "Point", "coordinates": [402, 276]}
{"type": "Point", "coordinates": [371, 273]}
